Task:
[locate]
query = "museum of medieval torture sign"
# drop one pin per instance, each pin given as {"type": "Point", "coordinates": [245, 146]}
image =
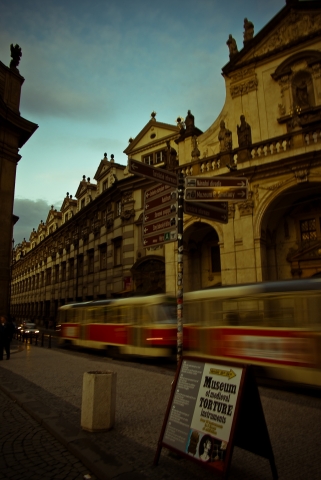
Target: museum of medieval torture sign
{"type": "Point", "coordinates": [213, 407]}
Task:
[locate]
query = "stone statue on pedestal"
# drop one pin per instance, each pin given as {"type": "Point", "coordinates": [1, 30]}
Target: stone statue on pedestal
{"type": "Point", "coordinates": [244, 133]}
{"type": "Point", "coordinates": [225, 138]}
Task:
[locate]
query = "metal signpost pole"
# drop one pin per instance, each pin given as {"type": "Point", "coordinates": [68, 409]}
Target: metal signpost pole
{"type": "Point", "coordinates": [180, 227]}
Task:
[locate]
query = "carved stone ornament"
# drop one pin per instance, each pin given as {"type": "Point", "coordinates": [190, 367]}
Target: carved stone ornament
{"type": "Point", "coordinates": [231, 210]}
{"type": "Point", "coordinates": [301, 175]}
{"type": "Point", "coordinates": [127, 197]}
{"type": "Point", "coordinates": [295, 27]}
{"type": "Point", "coordinates": [246, 208]}
{"type": "Point", "coordinates": [127, 214]}
{"type": "Point", "coordinates": [243, 88]}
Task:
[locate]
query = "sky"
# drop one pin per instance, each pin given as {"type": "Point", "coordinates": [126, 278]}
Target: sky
{"type": "Point", "coordinates": [96, 69]}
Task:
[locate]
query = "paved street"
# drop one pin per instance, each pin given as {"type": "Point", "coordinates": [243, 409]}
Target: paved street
{"type": "Point", "coordinates": [28, 451]}
{"type": "Point", "coordinates": [47, 384]}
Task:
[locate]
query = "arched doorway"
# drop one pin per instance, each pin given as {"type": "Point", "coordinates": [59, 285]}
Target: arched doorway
{"type": "Point", "coordinates": [291, 229]}
{"type": "Point", "coordinates": [202, 261]}
{"type": "Point", "coordinates": [149, 275]}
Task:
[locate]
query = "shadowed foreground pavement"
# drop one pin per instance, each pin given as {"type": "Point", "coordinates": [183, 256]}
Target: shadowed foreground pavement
{"type": "Point", "coordinates": [44, 437]}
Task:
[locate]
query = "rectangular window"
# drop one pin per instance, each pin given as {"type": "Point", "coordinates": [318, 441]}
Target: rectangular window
{"type": "Point", "coordinates": [215, 259]}
{"type": "Point", "coordinates": [308, 229]}
{"type": "Point", "coordinates": [71, 268]}
{"type": "Point", "coordinates": [48, 276]}
{"type": "Point", "coordinates": [66, 217]}
{"type": "Point", "coordinates": [105, 185]}
{"type": "Point", "coordinates": [103, 257]}
{"type": "Point", "coordinates": [83, 202]}
{"type": "Point", "coordinates": [42, 279]}
{"type": "Point", "coordinates": [117, 252]}
{"type": "Point", "coordinates": [155, 157]}
{"type": "Point", "coordinates": [56, 273]}
{"type": "Point", "coordinates": [63, 271]}
{"type": "Point", "coordinates": [160, 156]}
{"type": "Point", "coordinates": [80, 266]}
{"type": "Point", "coordinates": [148, 159]}
{"type": "Point", "coordinates": [90, 261]}
{"type": "Point", "coordinates": [118, 208]}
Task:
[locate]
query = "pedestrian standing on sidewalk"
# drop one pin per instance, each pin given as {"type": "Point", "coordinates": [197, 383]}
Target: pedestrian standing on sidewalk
{"type": "Point", "coordinates": [8, 335]}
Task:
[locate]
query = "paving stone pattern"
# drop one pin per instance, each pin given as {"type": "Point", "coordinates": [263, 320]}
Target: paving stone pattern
{"type": "Point", "coordinates": [28, 451]}
{"type": "Point", "coordinates": [51, 381]}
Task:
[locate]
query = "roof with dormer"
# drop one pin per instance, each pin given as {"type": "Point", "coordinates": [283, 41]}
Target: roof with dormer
{"type": "Point", "coordinates": [84, 186]}
{"type": "Point", "coordinates": [105, 166]}
{"type": "Point", "coordinates": [165, 131]}
{"type": "Point", "coordinates": [68, 202]}
{"type": "Point", "coordinates": [53, 215]}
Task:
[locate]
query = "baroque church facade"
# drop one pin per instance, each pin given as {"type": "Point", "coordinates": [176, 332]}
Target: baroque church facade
{"type": "Point", "coordinates": [268, 132]}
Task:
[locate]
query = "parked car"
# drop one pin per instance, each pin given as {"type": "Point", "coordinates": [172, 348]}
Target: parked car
{"type": "Point", "coordinates": [29, 330]}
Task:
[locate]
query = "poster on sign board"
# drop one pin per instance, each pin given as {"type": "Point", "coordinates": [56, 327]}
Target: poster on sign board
{"type": "Point", "coordinates": [202, 411]}
{"type": "Point", "coordinates": [210, 411]}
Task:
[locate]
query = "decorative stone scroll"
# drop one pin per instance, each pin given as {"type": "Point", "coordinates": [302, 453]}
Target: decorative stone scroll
{"type": "Point", "coordinates": [243, 82]}
{"type": "Point", "coordinates": [297, 26]}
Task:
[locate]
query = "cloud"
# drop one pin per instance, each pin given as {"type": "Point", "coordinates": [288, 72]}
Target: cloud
{"type": "Point", "coordinates": [30, 213]}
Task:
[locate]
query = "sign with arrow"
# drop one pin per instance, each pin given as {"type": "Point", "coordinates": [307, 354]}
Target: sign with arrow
{"type": "Point", "coordinates": [160, 216]}
{"type": "Point", "coordinates": [167, 198]}
{"type": "Point", "coordinates": [208, 182]}
{"type": "Point", "coordinates": [160, 238]}
{"type": "Point", "coordinates": [157, 174]}
{"type": "Point", "coordinates": [202, 210]}
{"type": "Point", "coordinates": [216, 194]}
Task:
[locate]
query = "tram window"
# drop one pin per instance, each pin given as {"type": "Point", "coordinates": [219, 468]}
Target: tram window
{"type": "Point", "coordinates": [99, 315]}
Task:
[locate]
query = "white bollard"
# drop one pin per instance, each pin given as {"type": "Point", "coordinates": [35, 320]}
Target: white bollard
{"type": "Point", "coordinates": [98, 406]}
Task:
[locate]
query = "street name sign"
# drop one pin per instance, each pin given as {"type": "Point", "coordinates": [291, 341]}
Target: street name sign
{"type": "Point", "coordinates": [157, 190]}
{"type": "Point", "coordinates": [208, 182]}
{"type": "Point", "coordinates": [205, 211]}
{"type": "Point", "coordinates": [160, 201]}
{"type": "Point", "coordinates": [216, 194]}
{"type": "Point", "coordinates": [160, 216]}
{"type": "Point", "coordinates": [160, 226]}
{"type": "Point", "coordinates": [160, 213]}
{"type": "Point", "coordinates": [160, 238]}
{"type": "Point", "coordinates": [157, 174]}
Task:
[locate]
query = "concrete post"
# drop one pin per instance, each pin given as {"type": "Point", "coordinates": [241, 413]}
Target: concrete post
{"type": "Point", "coordinates": [98, 406]}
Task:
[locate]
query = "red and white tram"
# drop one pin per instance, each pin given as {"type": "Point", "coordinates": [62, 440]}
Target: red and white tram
{"type": "Point", "coordinates": [143, 326]}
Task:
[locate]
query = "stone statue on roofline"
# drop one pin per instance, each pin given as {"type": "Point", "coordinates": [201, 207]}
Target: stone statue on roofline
{"type": "Point", "coordinates": [244, 133]}
{"type": "Point", "coordinates": [225, 138]}
{"type": "Point", "coordinates": [231, 43]}
{"type": "Point", "coordinates": [248, 31]}
{"type": "Point", "coordinates": [16, 54]}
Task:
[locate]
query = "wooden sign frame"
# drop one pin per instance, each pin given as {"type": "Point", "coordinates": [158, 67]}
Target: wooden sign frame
{"type": "Point", "coordinates": [214, 406]}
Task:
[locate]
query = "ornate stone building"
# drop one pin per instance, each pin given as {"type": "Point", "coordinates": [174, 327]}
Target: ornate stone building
{"type": "Point", "coordinates": [92, 247]}
{"type": "Point", "coordinates": [15, 131]}
{"type": "Point", "coordinates": [269, 131]}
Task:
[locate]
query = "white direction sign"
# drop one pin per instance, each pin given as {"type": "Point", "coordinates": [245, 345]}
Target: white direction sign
{"type": "Point", "coordinates": [216, 189]}
{"type": "Point", "coordinates": [209, 182]}
{"type": "Point", "coordinates": [216, 194]}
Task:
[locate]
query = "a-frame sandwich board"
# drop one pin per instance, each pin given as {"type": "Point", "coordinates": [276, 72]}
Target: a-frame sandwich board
{"type": "Point", "coordinates": [214, 406]}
